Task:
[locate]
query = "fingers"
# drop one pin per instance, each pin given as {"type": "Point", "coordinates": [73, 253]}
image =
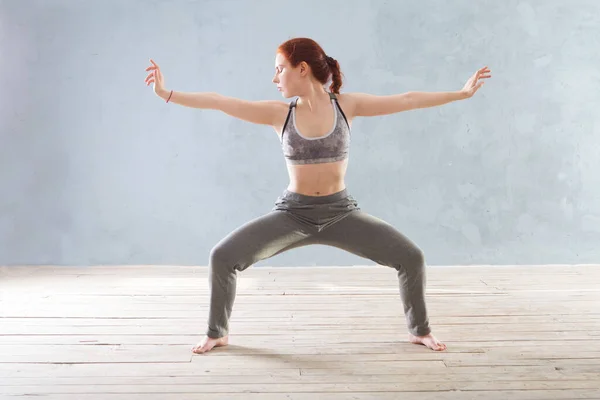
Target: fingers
{"type": "Point", "coordinates": [154, 66]}
{"type": "Point", "coordinates": [151, 75]}
{"type": "Point", "coordinates": [154, 75]}
{"type": "Point", "coordinates": [150, 79]}
{"type": "Point", "coordinates": [484, 73]}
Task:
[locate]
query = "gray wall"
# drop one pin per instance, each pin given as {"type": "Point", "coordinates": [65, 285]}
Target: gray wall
{"type": "Point", "coordinates": [94, 169]}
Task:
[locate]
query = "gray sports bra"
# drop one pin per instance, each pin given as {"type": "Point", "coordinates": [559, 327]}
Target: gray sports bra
{"type": "Point", "coordinates": [333, 146]}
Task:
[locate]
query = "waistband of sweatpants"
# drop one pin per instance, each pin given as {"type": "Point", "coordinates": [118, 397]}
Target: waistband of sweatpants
{"type": "Point", "coordinates": [306, 199]}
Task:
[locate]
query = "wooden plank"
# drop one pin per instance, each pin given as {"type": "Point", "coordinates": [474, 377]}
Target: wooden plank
{"type": "Point", "coordinates": [324, 388]}
{"type": "Point", "coordinates": [102, 290]}
{"type": "Point", "coordinates": [557, 363]}
{"type": "Point", "coordinates": [569, 394]}
{"type": "Point", "coordinates": [240, 315]}
{"type": "Point", "coordinates": [233, 356]}
{"type": "Point", "coordinates": [334, 286]}
{"type": "Point", "coordinates": [513, 332]}
{"type": "Point", "coordinates": [308, 379]}
{"type": "Point", "coordinates": [68, 325]}
{"type": "Point", "coordinates": [279, 299]}
{"type": "Point", "coordinates": [507, 271]}
{"type": "Point", "coordinates": [258, 340]}
{"type": "Point", "coordinates": [33, 370]}
{"type": "Point", "coordinates": [106, 354]}
{"type": "Point", "coordinates": [305, 319]}
{"type": "Point", "coordinates": [328, 337]}
{"type": "Point", "coordinates": [358, 308]}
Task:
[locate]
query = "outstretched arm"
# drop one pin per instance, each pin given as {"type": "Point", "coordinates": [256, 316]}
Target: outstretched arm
{"type": "Point", "coordinates": [266, 112]}
{"type": "Point", "coordinates": [367, 105]}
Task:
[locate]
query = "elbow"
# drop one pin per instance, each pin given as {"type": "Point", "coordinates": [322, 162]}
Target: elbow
{"type": "Point", "coordinates": [215, 101]}
{"type": "Point", "coordinates": [409, 101]}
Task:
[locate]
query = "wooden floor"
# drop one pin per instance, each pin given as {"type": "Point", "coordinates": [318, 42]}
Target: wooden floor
{"type": "Point", "coordinates": [108, 333]}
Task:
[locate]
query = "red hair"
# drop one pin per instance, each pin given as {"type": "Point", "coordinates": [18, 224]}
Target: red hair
{"type": "Point", "coordinates": [304, 49]}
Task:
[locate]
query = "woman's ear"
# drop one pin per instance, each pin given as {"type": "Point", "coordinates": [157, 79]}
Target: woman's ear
{"type": "Point", "coordinates": [303, 68]}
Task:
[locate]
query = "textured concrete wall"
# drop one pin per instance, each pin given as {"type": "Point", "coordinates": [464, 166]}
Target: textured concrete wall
{"type": "Point", "coordinates": [94, 169]}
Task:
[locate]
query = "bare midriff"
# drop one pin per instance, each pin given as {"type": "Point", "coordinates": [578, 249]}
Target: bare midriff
{"type": "Point", "coordinates": [317, 179]}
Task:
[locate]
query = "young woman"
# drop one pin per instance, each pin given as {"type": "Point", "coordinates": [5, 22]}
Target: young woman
{"type": "Point", "coordinates": [314, 131]}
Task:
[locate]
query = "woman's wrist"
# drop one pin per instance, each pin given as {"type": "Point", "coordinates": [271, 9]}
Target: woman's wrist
{"type": "Point", "coordinates": [164, 94]}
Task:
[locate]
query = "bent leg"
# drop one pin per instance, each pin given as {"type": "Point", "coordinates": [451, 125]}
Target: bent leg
{"type": "Point", "coordinates": [254, 241]}
{"type": "Point", "coordinates": [369, 237]}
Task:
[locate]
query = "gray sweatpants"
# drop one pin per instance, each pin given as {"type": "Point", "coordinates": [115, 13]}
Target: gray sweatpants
{"type": "Point", "coordinates": [299, 220]}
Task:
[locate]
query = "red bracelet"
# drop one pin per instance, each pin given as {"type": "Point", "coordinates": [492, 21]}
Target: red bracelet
{"type": "Point", "coordinates": [170, 96]}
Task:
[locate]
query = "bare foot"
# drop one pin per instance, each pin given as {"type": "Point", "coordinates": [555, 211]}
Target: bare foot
{"type": "Point", "coordinates": [429, 340]}
{"type": "Point", "coordinates": [208, 343]}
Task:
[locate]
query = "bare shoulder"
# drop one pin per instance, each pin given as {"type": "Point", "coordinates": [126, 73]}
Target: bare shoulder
{"type": "Point", "coordinates": [281, 110]}
{"type": "Point", "coordinates": [281, 106]}
{"type": "Point", "coordinates": [348, 102]}
{"type": "Point", "coordinates": [278, 107]}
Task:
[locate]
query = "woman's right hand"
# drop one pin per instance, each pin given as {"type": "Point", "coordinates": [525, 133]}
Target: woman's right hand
{"type": "Point", "coordinates": [156, 78]}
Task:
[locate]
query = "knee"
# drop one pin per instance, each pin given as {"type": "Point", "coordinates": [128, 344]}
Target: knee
{"type": "Point", "coordinates": [416, 257]}
{"type": "Point", "coordinates": [412, 259]}
{"type": "Point", "coordinates": [219, 257]}
{"type": "Point", "coordinates": [226, 258]}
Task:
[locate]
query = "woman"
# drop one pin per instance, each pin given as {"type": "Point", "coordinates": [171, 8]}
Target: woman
{"type": "Point", "coordinates": [314, 131]}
